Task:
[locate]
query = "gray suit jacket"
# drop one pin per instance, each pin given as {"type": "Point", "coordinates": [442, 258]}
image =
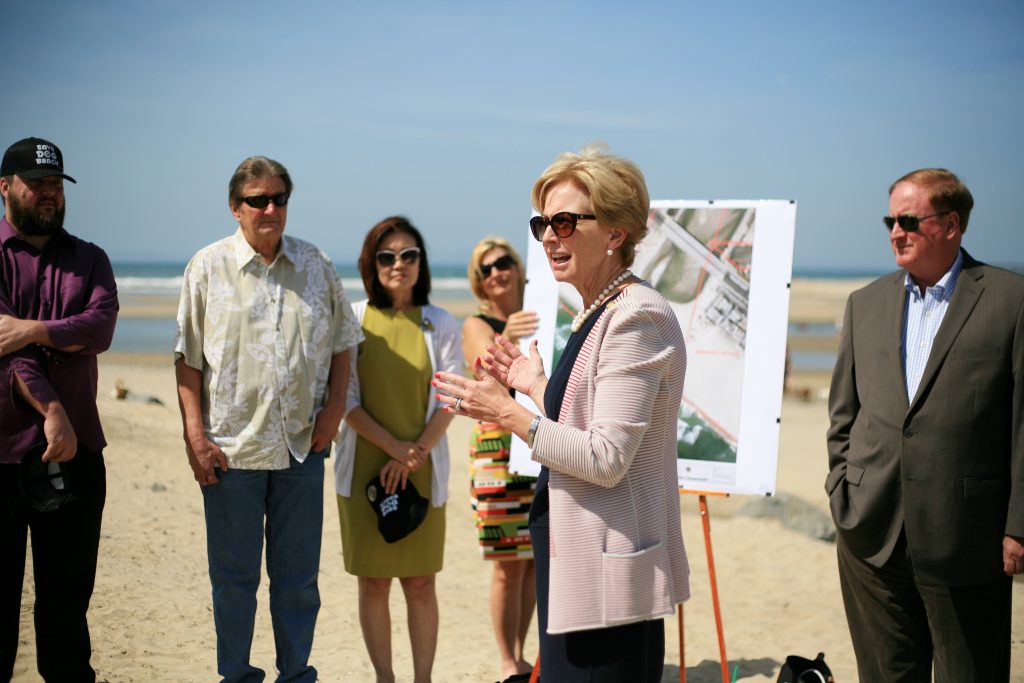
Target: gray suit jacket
{"type": "Point", "coordinates": [948, 463]}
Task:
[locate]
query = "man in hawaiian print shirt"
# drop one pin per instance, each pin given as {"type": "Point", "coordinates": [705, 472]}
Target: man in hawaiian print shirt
{"type": "Point", "coordinates": [264, 332]}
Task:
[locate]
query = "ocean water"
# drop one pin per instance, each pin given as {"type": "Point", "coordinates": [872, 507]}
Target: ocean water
{"type": "Point", "coordinates": [449, 279]}
{"type": "Point", "coordinates": [163, 281]}
{"type": "Point", "coordinates": [143, 335]}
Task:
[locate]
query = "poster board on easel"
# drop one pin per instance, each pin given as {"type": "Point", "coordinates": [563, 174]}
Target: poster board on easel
{"type": "Point", "coordinates": [725, 266]}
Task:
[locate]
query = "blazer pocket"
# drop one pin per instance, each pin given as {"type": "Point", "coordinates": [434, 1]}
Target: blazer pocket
{"type": "Point", "coordinates": [854, 474]}
{"type": "Point", "coordinates": [976, 487]}
{"type": "Point", "coordinates": [978, 352]}
{"type": "Point", "coordinates": [841, 500]}
{"type": "Point", "coordinates": [636, 585]}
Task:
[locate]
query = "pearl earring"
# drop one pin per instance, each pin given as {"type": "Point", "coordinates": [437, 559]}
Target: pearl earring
{"type": "Point", "coordinates": [610, 252]}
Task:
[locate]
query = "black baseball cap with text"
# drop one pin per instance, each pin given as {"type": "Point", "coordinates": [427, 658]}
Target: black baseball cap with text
{"type": "Point", "coordinates": [33, 158]}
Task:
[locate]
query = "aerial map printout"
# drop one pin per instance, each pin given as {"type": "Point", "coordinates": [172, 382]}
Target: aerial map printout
{"type": "Point", "coordinates": [725, 268]}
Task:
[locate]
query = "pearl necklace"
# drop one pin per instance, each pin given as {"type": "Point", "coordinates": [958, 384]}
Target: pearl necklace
{"type": "Point", "coordinates": [582, 316]}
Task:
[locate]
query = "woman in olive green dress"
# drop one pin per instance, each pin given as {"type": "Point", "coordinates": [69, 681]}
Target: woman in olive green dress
{"type": "Point", "coordinates": [394, 431]}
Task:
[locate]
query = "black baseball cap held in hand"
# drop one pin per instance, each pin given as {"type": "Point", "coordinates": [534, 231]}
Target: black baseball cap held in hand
{"type": "Point", "coordinates": [398, 514]}
{"type": "Point", "coordinates": [44, 485]}
{"type": "Point", "coordinates": [33, 158]}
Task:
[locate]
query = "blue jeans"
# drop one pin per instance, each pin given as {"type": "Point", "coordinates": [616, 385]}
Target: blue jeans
{"type": "Point", "coordinates": [291, 502]}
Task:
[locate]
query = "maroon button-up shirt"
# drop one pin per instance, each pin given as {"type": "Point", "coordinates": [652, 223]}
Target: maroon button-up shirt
{"type": "Point", "coordinates": [69, 285]}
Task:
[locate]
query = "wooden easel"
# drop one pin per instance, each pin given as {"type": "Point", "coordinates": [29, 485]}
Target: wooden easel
{"type": "Point", "coordinates": [706, 520]}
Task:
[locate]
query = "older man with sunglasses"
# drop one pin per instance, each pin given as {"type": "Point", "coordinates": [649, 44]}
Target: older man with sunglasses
{"type": "Point", "coordinates": [264, 331]}
{"type": "Point", "coordinates": [926, 448]}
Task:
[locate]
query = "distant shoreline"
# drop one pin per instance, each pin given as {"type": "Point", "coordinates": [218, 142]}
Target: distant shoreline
{"type": "Point", "coordinates": [146, 320]}
{"type": "Point", "coordinates": [150, 306]}
{"type": "Point", "coordinates": [133, 268]}
{"type": "Point", "coordinates": [812, 301]}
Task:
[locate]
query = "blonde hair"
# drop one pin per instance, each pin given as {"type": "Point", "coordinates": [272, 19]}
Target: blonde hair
{"type": "Point", "coordinates": [476, 278]}
{"type": "Point", "coordinates": [615, 185]}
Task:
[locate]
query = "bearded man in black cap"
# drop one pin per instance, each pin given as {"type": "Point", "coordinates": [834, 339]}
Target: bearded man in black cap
{"type": "Point", "coordinates": [58, 307]}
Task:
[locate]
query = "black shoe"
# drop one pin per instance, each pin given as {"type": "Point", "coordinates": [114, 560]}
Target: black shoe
{"type": "Point", "coordinates": [516, 678]}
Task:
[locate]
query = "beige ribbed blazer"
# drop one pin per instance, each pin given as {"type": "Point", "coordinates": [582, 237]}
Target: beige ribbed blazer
{"type": "Point", "coordinates": [617, 553]}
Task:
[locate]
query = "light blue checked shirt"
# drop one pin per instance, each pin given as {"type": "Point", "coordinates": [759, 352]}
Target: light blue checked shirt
{"type": "Point", "coordinates": [921, 319]}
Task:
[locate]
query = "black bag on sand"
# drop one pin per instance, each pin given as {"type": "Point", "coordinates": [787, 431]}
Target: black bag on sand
{"type": "Point", "coordinates": [800, 670]}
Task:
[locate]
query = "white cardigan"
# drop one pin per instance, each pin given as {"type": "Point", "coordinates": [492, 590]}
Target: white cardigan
{"type": "Point", "coordinates": [617, 553]}
{"type": "Point", "coordinates": [444, 344]}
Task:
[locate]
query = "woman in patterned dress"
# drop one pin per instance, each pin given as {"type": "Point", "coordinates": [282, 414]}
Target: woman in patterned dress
{"type": "Point", "coordinates": [395, 432]}
{"type": "Point", "coordinates": [501, 499]}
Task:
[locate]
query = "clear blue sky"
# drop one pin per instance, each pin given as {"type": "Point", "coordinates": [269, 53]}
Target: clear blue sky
{"type": "Point", "coordinates": [447, 111]}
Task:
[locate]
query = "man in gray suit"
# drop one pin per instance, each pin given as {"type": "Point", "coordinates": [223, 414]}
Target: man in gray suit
{"type": "Point", "coordinates": [926, 448]}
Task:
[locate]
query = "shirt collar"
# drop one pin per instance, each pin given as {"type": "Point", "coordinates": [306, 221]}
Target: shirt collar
{"type": "Point", "coordinates": [946, 284]}
{"type": "Point", "coordinates": [7, 233]}
{"type": "Point", "coordinates": [6, 230]}
{"type": "Point", "coordinates": [244, 253]}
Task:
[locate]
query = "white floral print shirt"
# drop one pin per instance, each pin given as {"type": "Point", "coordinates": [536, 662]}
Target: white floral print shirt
{"type": "Point", "coordinates": [263, 337]}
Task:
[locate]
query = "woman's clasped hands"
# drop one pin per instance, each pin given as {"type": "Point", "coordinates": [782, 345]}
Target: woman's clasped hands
{"type": "Point", "coordinates": [406, 457]}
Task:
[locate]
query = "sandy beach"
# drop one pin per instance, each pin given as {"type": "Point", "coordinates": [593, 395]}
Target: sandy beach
{"type": "Point", "coordinates": [151, 617]}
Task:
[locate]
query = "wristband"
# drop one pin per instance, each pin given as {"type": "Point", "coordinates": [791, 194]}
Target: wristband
{"type": "Point", "coordinates": [531, 433]}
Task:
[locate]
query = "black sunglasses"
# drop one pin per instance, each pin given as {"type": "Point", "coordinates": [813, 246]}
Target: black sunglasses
{"type": "Point", "coordinates": [563, 223]}
{"type": "Point", "coordinates": [502, 263]}
{"type": "Point", "coordinates": [260, 201]}
{"type": "Point", "coordinates": [409, 256]}
{"type": "Point", "coordinates": [908, 223]}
